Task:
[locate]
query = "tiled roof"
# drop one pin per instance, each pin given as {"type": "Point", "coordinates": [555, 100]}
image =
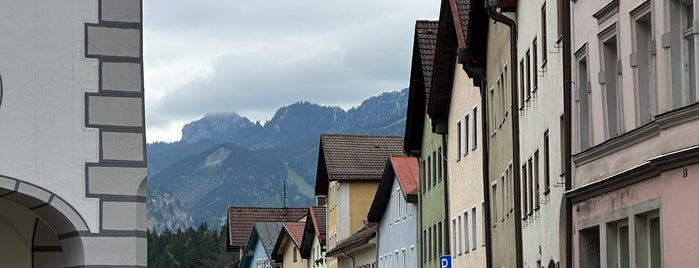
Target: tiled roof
{"type": "Point", "coordinates": [463, 6]}
{"type": "Point", "coordinates": [242, 219]}
{"type": "Point", "coordinates": [405, 168]}
{"type": "Point", "coordinates": [353, 158]}
{"type": "Point", "coordinates": [315, 227]}
{"type": "Point", "coordinates": [268, 232]}
{"type": "Point", "coordinates": [426, 36]}
{"type": "Point", "coordinates": [359, 238]}
{"type": "Point", "coordinates": [319, 221]}
{"type": "Point", "coordinates": [295, 231]}
{"type": "Point", "coordinates": [402, 168]}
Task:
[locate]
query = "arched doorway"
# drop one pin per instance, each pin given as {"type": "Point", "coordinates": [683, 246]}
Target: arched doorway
{"type": "Point", "coordinates": [38, 228]}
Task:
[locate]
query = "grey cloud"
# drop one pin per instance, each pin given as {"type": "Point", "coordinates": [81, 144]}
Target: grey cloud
{"type": "Point", "coordinates": [329, 52]}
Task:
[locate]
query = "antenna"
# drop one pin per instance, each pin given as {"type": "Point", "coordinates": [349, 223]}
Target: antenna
{"type": "Point", "coordinates": [284, 199]}
{"type": "Point", "coordinates": [284, 192]}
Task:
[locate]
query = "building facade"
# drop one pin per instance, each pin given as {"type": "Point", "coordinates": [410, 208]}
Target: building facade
{"type": "Point", "coordinates": [313, 242]}
{"type": "Point", "coordinates": [287, 248]}
{"type": "Point", "coordinates": [634, 142]}
{"type": "Point", "coordinates": [72, 136]}
{"type": "Point", "coordinates": [395, 210]}
{"type": "Point", "coordinates": [349, 171]}
{"type": "Point", "coordinates": [541, 132]}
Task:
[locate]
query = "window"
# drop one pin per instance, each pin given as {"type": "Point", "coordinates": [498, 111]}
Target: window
{"type": "Point", "coordinates": [531, 186]}
{"type": "Point", "coordinates": [430, 243]}
{"type": "Point", "coordinates": [529, 75]}
{"type": "Point", "coordinates": [535, 73]}
{"type": "Point", "coordinates": [483, 211]}
{"type": "Point", "coordinates": [547, 174]}
{"type": "Point", "coordinates": [465, 227]}
{"type": "Point", "coordinates": [455, 239]}
{"type": "Point", "coordinates": [429, 172]}
{"type": "Point", "coordinates": [466, 122]}
{"type": "Point", "coordinates": [404, 262]}
{"type": "Point", "coordinates": [544, 45]}
{"type": "Point", "coordinates": [535, 171]}
{"type": "Point", "coordinates": [495, 204]}
{"type": "Point", "coordinates": [648, 240]}
{"type": "Point", "coordinates": [458, 139]}
{"type": "Point", "coordinates": [502, 197]}
{"type": "Point", "coordinates": [424, 177]}
{"type": "Point", "coordinates": [475, 128]}
{"type": "Point", "coordinates": [643, 62]}
{"type": "Point", "coordinates": [609, 79]}
{"type": "Point", "coordinates": [682, 69]}
{"type": "Point", "coordinates": [501, 91]}
{"type": "Point", "coordinates": [295, 260]}
{"type": "Point", "coordinates": [440, 244]}
{"type": "Point", "coordinates": [491, 112]}
{"type": "Point", "coordinates": [473, 230]}
{"type": "Point", "coordinates": [524, 198]}
{"type": "Point", "coordinates": [521, 84]}
{"type": "Point", "coordinates": [434, 240]}
{"type": "Point", "coordinates": [440, 169]}
{"type": "Point", "coordinates": [618, 244]}
{"type": "Point", "coordinates": [583, 100]}
{"type": "Point", "coordinates": [424, 246]}
{"type": "Point", "coordinates": [590, 248]}
{"type": "Point", "coordinates": [434, 167]}
{"type": "Point", "coordinates": [412, 257]}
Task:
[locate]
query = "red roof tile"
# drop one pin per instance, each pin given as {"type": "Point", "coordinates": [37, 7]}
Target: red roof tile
{"type": "Point", "coordinates": [406, 171]}
{"type": "Point", "coordinates": [295, 231]}
{"type": "Point", "coordinates": [242, 219]}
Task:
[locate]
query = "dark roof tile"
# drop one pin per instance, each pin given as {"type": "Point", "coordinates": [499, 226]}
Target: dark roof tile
{"type": "Point", "coordinates": [426, 36]}
{"type": "Point", "coordinates": [242, 219]}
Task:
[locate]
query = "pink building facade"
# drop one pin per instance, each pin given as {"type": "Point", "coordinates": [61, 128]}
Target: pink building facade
{"type": "Point", "coordinates": [634, 133]}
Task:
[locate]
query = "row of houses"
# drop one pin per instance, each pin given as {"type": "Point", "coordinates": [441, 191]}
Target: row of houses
{"type": "Point", "coordinates": [539, 133]}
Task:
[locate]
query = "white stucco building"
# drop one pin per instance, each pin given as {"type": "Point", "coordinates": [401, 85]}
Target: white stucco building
{"type": "Point", "coordinates": [540, 103]}
{"type": "Point", "coordinates": [72, 138]}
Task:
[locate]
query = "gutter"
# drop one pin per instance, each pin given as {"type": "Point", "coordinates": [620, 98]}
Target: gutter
{"type": "Point", "coordinates": [567, 115]}
{"type": "Point", "coordinates": [480, 74]}
{"type": "Point", "coordinates": [499, 17]}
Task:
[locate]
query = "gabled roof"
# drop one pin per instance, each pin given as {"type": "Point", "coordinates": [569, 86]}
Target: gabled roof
{"type": "Point", "coordinates": [292, 232]}
{"type": "Point", "coordinates": [315, 227]}
{"type": "Point", "coordinates": [424, 44]}
{"type": "Point", "coordinates": [242, 219]}
{"type": "Point", "coordinates": [353, 158]}
{"type": "Point", "coordinates": [358, 239]}
{"type": "Point", "coordinates": [266, 233]}
{"type": "Point", "coordinates": [405, 170]}
{"type": "Point", "coordinates": [445, 60]}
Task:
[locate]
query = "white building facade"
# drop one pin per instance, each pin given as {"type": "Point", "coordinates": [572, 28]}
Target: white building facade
{"type": "Point", "coordinates": [72, 136]}
{"type": "Point", "coordinates": [540, 103]}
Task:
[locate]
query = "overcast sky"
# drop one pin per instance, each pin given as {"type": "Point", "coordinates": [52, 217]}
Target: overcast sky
{"type": "Point", "coordinates": [254, 56]}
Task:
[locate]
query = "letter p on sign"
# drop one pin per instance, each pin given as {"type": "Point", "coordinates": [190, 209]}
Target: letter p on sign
{"type": "Point", "coordinates": [445, 261]}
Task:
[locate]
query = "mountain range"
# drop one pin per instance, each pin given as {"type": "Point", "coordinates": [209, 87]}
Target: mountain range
{"type": "Point", "coordinates": [226, 159]}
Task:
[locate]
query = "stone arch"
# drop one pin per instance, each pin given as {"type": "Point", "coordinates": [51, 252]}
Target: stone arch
{"type": "Point", "coordinates": [39, 228]}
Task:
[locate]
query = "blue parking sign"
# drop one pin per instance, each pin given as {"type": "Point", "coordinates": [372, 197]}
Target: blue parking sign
{"type": "Point", "coordinates": [445, 261]}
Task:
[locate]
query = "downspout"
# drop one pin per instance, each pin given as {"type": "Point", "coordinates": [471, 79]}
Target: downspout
{"type": "Point", "coordinates": [497, 16]}
{"type": "Point", "coordinates": [567, 115]}
{"type": "Point", "coordinates": [346, 256]}
{"type": "Point", "coordinates": [480, 74]}
{"type": "Point", "coordinates": [486, 174]}
{"type": "Point", "coordinates": [446, 194]}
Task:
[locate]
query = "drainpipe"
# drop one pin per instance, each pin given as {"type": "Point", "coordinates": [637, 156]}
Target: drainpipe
{"type": "Point", "coordinates": [567, 113]}
{"type": "Point", "coordinates": [346, 256]}
{"type": "Point", "coordinates": [480, 75]}
{"type": "Point", "coordinates": [446, 194]}
{"type": "Point", "coordinates": [499, 17]}
{"type": "Point", "coordinates": [376, 232]}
